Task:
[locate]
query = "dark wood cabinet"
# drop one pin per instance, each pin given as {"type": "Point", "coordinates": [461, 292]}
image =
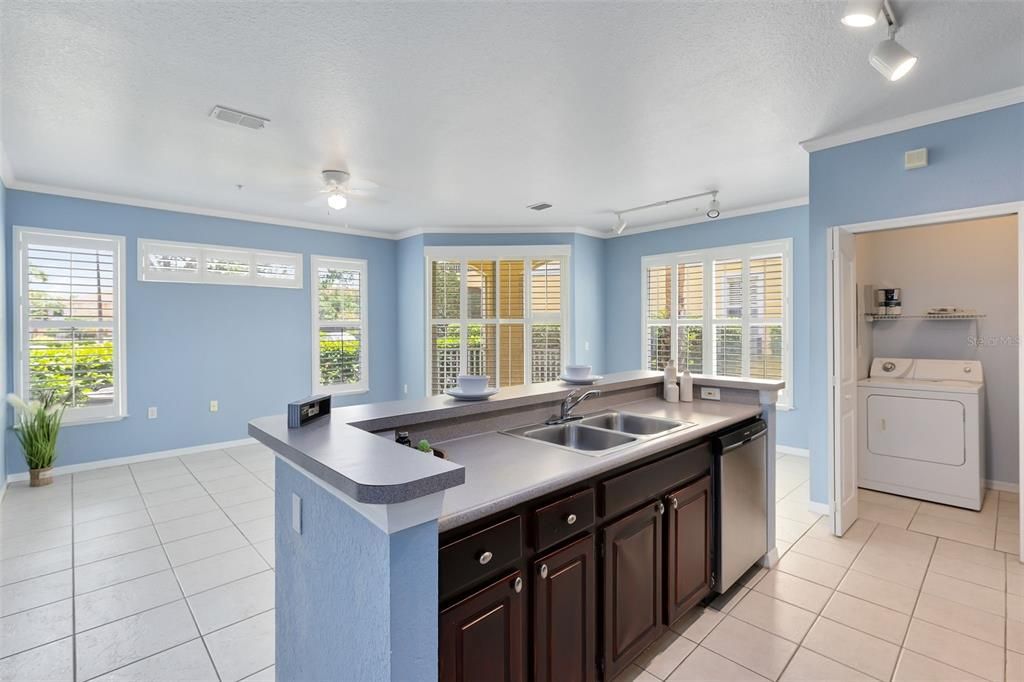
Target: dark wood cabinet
{"type": "Point", "coordinates": [565, 614]}
{"type": "Point", "coordinates": [688, 548]}
{"type": "Point", "coordinates": [632, 581]}
{"type": "Point", "coordinates": [481, 636]}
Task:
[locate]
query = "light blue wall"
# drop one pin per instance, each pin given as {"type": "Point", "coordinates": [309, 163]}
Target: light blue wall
{"type": "Point", "coordinates": [352, 602]}
{"type": "Point", "coordinates": [586, 317]}
{"type": "Point", "coordinates": [622, 293]}
{"type": "Point", "coordinates": [247, 347]}
{"type": "Point", "coordinates": [973, 161]}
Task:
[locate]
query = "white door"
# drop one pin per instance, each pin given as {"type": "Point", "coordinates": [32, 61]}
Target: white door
{"type": "Point", "coordinates": [843, 376]}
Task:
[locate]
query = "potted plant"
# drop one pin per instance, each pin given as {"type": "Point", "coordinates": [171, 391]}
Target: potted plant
{"type": "Point", "coordinates": [424, 446]}
{"type": "Point", "coordinates": [37, 425]}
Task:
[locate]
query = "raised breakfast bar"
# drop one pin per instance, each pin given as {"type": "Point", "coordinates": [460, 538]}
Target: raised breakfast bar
{"type": "Point", "coordinates": [518, 556]}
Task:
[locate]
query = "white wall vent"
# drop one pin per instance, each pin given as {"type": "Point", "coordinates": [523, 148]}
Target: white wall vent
{"type": "Point", "coordinates": [240, 118]}
{"type": "Point", "coordinates": [915, 158]}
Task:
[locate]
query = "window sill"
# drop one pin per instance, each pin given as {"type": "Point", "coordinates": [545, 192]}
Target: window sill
{"type": "Point", "coordinates": [93, 420]}
{"type": "Point", "coordinates": [780, 407]}
{"type": "Point", "coordinates": [344, 391]}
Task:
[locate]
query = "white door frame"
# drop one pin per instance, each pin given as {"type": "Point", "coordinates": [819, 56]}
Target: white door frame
{"type": "Point", "coordinates": [922, 220]}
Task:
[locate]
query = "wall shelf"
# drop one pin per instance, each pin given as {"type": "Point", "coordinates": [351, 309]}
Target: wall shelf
{"type": "Point", "coordinates": [880, 318]}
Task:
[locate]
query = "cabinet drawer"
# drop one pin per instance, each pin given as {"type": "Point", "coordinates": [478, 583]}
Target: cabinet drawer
{"type": "Point", "coordinates": [478, 556]}
{"type": "Point", "coordinates": [635, 487]}
{"type": "Point", "coordinates": [563, 519]}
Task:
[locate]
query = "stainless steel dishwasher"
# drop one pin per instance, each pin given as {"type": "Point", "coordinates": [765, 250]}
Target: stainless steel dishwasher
{"type": "Point", "coordinates": [741, 501]}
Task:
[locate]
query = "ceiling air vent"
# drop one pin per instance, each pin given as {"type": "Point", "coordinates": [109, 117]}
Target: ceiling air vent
{"type": "Point", "coordinates": [251, 121]}
{"type": "Point", "coordinates": [539, 207]}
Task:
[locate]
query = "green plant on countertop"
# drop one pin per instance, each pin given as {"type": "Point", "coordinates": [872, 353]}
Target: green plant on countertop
{"type": "Point", "coordinates": [37, 426]}
{"type": "Point", "coordinates": [424, 446]}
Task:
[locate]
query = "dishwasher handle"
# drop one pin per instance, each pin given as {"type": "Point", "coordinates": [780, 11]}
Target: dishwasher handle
{"type": "Point", "coordinates": [740, 437]}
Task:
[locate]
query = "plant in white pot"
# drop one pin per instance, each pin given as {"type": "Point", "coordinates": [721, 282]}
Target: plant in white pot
{"type": "Point", "coordinates": [37, 424]}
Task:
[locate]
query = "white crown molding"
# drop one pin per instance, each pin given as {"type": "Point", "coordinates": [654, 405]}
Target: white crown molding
{"type": "Point", "coordinates": [976, 105]}
{"type": "Point", "coordinates": [194, 210]}
{"type": "Point", "coordinates": [737, 213]}
{"type": "Point", "coordinates": [500, 229]}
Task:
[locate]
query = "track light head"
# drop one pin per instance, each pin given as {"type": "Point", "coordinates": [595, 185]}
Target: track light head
{"type": "Point", "coordinates": [714, 208]}
{"type": "Point", "coordinates": [861, 13]}
{"type": "Point", "coordinates": [620, 224]}
{"type": "Point", "coordinates": [891, 59]}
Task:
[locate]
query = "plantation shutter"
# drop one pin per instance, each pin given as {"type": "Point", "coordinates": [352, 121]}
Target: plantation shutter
{"type": "Point", "coordinates": [499, 317]}
{"type": "Point", "coordinates": [70, 305]}
{"type": "Point", "coordinates": [340, 334]}
{"type": "Point", "coordinates": [206, 264]}
{"type": "Point", "coordinates": [728, 308]}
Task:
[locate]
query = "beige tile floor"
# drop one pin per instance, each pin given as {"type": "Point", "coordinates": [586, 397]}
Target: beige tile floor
{"type": "Point", "coordinates": [914, 591]}
{"type": "Point", "coordinates": [164, 570]}
{"type": "Point", "coordinates": [161, 570]}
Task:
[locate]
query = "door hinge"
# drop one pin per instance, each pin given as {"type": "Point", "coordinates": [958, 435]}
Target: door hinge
{"type": "Point", "coordinates": [600, 549]}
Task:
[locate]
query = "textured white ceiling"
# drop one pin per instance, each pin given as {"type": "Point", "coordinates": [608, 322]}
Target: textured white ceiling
{"type": "Point", "coordinates": [464, 113]}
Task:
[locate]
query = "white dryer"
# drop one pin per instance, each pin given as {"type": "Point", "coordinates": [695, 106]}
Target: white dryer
{"type": "Point", "coordinates": [921, 430]}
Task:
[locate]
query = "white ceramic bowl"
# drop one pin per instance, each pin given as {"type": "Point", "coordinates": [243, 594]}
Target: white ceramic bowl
{"type": "Point", "coordinates": [472, 383]}
{"type": "Point", "coordinates": [578, 371]}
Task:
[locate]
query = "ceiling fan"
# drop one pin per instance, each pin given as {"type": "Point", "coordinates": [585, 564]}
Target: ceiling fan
{"type": "Point", "coordinates": [339, 186]}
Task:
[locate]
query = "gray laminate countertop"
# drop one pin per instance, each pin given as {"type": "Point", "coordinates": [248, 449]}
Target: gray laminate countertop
{"type": "Point", "coordinates": [373, 469]}
{"type": "Point", "coordinates": [503, 471]}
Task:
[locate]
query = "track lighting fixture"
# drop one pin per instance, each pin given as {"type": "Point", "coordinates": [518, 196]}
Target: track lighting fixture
{"type": "Point", "coordinates": [888, 57]}
{"type": "Point", "coordinates": [713, 206]}
{"type": "Point", "coordinates": [714, 209]}
{"type": "Point", "coordinates": [861, 13]}
{"type": "Point", "coordinates": [620, 224]}
{"type": "Point", "coordinates": [891, 59]}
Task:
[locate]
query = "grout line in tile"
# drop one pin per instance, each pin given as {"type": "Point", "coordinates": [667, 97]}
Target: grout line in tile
{"type": "Point", "coordinates": [182, 590]}
{"type": "Point", "coordinates": [275, 663]}
{"type": "Point", "coordinates": [120, 667]}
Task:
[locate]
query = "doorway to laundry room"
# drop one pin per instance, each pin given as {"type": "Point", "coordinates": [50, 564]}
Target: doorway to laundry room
{"type": "Point", "coordinates": [926, 392]}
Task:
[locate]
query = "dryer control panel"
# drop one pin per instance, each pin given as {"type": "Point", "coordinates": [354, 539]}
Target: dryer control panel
{"type": "Point", "coordinates": [928, 370]}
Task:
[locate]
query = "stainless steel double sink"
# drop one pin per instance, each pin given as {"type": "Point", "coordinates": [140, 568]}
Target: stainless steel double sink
{"type": "Point", "coordinates": [600, 433]}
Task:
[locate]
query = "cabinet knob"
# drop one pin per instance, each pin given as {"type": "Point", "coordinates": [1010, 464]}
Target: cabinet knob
{"type": "Point", "coordinates": [518, 585]}
{"type": "Point", "coordinates": [675, 503]}
{"type": "Point", "coordinates": [570, 519]}
{"type": "Point", "coordinates": [660, 507]}
{"type": "Point", "coordinates": [486, 558]}
{"type": "Point", "coordinates": [543, 570]}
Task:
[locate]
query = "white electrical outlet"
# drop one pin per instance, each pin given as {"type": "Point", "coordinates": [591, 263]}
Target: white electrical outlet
{"type": "Point", "coordinates": [405, 389]}
{"type": "Point", "coordinates": [586, 345]}
{"type": "Point", "coordinates": [151, 413]}
{"type": "Point", "coordinates": [707, 393]}
{"type": "Point", "coordinates": [297, 513]}
{"type": "Point", "coordinates": [214, 406]}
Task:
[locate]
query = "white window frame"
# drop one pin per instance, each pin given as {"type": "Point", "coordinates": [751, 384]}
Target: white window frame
{"type": "Point", "coordinates": [24, 235]}
{"type": "Point", "coordinates": [315, 263]}
{"type": "Point", "coordinates": [464, 254]}
{"type": "Point", "coordinates": [203, 251]}
{"type": "Point", "coordinates": [745, 252]}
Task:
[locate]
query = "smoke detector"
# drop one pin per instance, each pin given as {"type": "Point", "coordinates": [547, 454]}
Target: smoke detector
{"type": "Point", "coordinates": [240, 118]}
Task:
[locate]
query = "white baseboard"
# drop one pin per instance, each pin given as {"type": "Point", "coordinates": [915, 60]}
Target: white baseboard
{"type": "Point", "coordinates": [1003, 486]}
{"type": "Point", "coordinates": [788, 450]}
{"type": "Point", "coordinates": [134, 459]}
{"type": "Point", "coordinates": [819, 508]}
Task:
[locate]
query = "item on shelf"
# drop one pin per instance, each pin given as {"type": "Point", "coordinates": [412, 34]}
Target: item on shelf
{"type": "Point", "coordinates": [950, 310]}
{"type": "Point", "coordinates": [472, 383]}
{"type": "Point", "coordinates": [402, 438]}
{"type": "Point", "coordinates": [577, 372]}
{"type": "Point", "coordinates": [460, 394]}
{"type": "Point", "coordinates": [686, 386]}
{"type": "Point", "coordinates": [888, 301]}
{"type": "Point", "coordinates": [671, 390]}
{"type": "Point", "coordinates": [586, 381]}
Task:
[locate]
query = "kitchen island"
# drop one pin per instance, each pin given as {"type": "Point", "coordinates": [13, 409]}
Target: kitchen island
{"type": "Point", "coordinates": [381, 547]}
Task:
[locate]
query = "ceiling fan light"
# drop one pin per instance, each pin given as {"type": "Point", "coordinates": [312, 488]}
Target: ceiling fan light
{"type": "Point", "coordinates": [891, 59]}
{"type": "Point", "coordinates": [337, 201]}
{"type": "Point", "coordinates": [861, 13]}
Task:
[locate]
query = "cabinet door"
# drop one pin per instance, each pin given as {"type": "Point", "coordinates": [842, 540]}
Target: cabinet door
{"type": "Point", "coordinates": [564, 614]}
{"type": "Point", "coordinates": [689, 547]}
{"type": "Point", "coordinates": [632, 586]}
{"type": "Point", "coordinates": [481, 637]}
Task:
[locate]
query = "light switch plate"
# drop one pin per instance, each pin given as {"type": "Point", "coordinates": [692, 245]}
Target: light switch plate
{"type": "Point", "coordinates": [151, 413]}
{"type": "Point", "coordinates": [297, 513]}
{"type": "Point", "coordinates": [214, 406]}
{"type": "Point", "coordinates": [710, 393]}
